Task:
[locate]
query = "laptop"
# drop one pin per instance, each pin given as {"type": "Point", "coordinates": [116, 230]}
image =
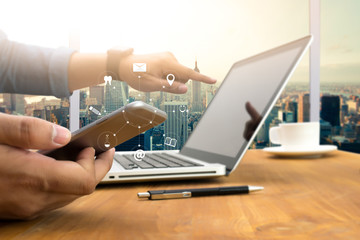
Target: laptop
{"type": "Point", "coordinates": [216, 146]}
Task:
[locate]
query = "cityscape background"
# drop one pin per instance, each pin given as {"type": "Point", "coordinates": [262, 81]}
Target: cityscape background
{"type": "Point", "coordinates": [216, 33]}
{"type": "Point", "coordinates": [340, 112]}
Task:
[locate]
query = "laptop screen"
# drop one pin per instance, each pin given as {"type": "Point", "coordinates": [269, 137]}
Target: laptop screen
{"type": "Point", "coordinates": [219, 135]}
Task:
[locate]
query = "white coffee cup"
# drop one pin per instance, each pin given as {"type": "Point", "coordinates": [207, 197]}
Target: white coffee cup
{"type": "Point", "coordinates": [296, 136]}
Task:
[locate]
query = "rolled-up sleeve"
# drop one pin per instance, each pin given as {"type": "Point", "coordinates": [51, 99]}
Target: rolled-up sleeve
{"type": "Point", "coordinates": [33, 70]}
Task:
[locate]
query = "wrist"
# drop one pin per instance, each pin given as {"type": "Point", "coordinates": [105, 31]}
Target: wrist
{"type": "Point", "coordinates": [114, 57]}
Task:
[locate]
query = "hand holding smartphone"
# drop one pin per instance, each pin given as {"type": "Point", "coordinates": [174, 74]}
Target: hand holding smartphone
{"type": "Point", "coordinates": [111, 130]}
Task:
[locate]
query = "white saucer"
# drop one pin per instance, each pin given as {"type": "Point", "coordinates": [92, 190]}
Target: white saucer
{"type": "Point", "coordinates": [311, 152]}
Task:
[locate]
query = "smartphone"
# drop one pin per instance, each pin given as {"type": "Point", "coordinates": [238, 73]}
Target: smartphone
{"type": "Point", "coordinates": [111, 130]}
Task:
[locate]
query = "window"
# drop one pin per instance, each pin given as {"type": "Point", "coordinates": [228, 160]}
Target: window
{"type": "Point", "coordinates": [209, 39]}
{"type": "Point", "coordinates": [40, 26]}
{"type": "Point", "coordinates": [340, 74]}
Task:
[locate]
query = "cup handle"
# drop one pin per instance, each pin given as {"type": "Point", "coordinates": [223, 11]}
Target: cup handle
{"type": "Point", "coordinates": [274, 135]}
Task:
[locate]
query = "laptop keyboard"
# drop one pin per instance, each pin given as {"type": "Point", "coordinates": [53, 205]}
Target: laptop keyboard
{"type": "Point", "coordinates": [153, 160]}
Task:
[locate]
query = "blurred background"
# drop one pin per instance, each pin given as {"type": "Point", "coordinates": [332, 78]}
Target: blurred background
{"type": "Point", "coordinates": [204, 35]}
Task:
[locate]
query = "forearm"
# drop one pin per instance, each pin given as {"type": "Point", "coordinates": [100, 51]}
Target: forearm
{"type": "Point", "coordinates": [33, 70]}
{"type": "Point", "coordinates": [86, 69]}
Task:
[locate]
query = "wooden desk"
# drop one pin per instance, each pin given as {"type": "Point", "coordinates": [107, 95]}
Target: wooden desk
{"type": "Point", "coordinates": [303, 199]}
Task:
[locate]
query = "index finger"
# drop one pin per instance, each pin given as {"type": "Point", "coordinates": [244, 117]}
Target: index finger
{"type": "Point", "coordinates": [252, 111]}
{"type": "Point", "coordinates": [188, 73]}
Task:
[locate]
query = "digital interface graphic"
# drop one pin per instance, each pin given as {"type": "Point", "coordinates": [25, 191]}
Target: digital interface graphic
{"type": "Point", "coordinates": [94, 110]}
{"type": "Point", "coordinates": [170, 78]}
{"type": "Point", "coordinates": [170, 142]}
{"type": "Point", "coordinates": [139, 155]}
{"type": "Point", "coordinates": [139, 67]}
{"type": "Point", "coordinates": [112, 94]}
{"type": "Point", "coordinates": [107, 80]}
{"type": "Point", "coordinates": [107, 140]}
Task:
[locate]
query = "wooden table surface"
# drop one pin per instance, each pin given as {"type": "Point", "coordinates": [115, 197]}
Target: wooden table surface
{"type": "Point", "coordinates": [302, 199]}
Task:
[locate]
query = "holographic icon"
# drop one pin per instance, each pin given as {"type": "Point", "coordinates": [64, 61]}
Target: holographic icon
{"type": "Point", "coordinates": [107, 80]}
{"type": "Point", "coordinates": [170, 78]}
{"type": "Point", "coordinates": [170, 142]}
{"type": "Point", "coordinates": [139, 155]}
{"type": "Point", "coordinates": [182, 108]}
{"type": "Point", "coordinates": [107, 140]}
{"type": "Point", "coordinates": [139, 67]}
{"type": "Point", "coordinates": [107, 143]}
{"type": "Point", "coordinates": [94, 110]}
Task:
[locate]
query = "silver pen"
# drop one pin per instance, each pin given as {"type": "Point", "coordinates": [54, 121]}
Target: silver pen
{"type": "Point", "coordinates": [197, 192]}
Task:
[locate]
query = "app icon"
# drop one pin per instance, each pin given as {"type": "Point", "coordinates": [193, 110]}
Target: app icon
{"type": "Point", "coordinates": [170, 78]}
{"type": "Point", "coordinates": [139, 155]}
{"type": "Point", "coordinates": [182, 108]}
{"type": "Point", "coordinates": [94, 110]}
{"type": "Point", "coordinates": [170, 141]}
{"type": "Point", "coordinates": [108, 79]}
{"type": "Point", "coordinates": [139, 67]}
{"type": "Point", "coordinates": [107, 143]}
{"type": "Point", "coordinates": [107, 140]}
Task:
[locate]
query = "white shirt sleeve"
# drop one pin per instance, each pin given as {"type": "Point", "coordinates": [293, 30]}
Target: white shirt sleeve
{"type": "Point", "coordinates": [28, 69]}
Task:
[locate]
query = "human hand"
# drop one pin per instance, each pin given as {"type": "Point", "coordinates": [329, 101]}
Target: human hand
{"type": "Point", "coordinates": [32, 184]}
{"type": "Point", "coordinates": [252, 124]}
{"type": "Point", "coordinates": [158, 66]}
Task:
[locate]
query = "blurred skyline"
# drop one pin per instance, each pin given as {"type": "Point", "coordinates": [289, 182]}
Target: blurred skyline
{"type": "Point", "coordinates": [217, 33]}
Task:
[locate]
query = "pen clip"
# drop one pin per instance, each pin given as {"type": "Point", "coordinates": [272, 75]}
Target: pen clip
{"type": "Point", "coordinates": [170, 195]}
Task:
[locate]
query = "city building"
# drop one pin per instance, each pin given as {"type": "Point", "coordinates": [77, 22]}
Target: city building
{"type": "Point", "coordinates": [176, 126]}
{"type": "Point", "coordinates": [97, 92]}
{"type": "Point", "coordinates": [357, 133]}
{"type": "Point", "coordinates": [210, 93]}
{"type": "Point", "coordinates": [15, 103]}
{"type": "Point", "coordinates": [83, 96]}
{"type": "Point", "coordinates": [325, 131]}
{"type": "Point", "coordinates": [147, 97]}
{"type": "Point", "coordinates": [196, 101]}
{"type": "Point", "coordinates": [343, 113]}
{"type": "Point", "coordinates": [330, 110]}
{"type": "Point", "coordinates": [353, 106]}
{"type": "Point", "coordinates": [292, 107]}
{"type": "Point", "coordinates": [115, 96]}
{"type": "Point", "coordinates": [304, 108]}
{"type": "Point", "coordinates": [61, 115]}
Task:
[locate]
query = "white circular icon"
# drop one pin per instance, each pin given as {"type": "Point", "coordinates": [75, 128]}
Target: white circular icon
{"type": "Point", "coordinates": [182, 108]}
{"type": "Point", "coordinates": [107, 140]}
{"type": "Point", "coordinates": [139, 155]}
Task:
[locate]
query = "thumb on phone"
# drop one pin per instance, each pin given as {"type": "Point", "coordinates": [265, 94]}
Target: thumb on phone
{"type": "Point", "coordinates": [31, 133]}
